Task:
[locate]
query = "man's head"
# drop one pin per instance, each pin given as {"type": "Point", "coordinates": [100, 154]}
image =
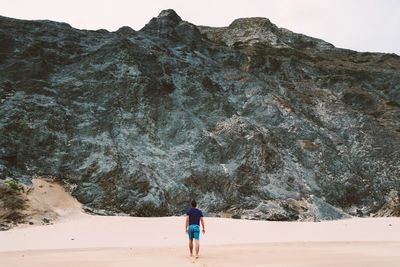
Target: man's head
{"type": "Point", "coordinates": [194, 204]}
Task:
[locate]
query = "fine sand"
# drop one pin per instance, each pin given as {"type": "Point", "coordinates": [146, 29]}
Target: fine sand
{"type": "Point", "coordinates": [79, 239]}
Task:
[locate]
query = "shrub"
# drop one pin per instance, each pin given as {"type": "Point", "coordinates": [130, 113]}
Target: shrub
{"type": "Point", "coordinates": [388, 56]}
{"type": "Point", "coordinates": [11, 203]}
{"type": "Point", "coordinates": [365, 54]}
{"type": "Point", "coordinates": [358, 61]}
{"type": "Point", "coordinates": [393, 103]}
{"type": "Point", "coordinates": [286, 52]}
{"type": "Point", "coordinates": [14, 184]}
{"type": "Point", "coordinates": [320, 58]}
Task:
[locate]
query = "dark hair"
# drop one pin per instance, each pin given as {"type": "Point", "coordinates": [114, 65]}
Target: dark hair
{"type": "Point", "coordinates": [194, 204]}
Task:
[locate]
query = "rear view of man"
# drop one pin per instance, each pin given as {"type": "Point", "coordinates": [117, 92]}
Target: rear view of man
{"type": "Point", "coordinates": [193, 218]}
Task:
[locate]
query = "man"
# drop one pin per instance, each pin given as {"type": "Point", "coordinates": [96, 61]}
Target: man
{"type": "Point", "coordinates": [193, 218]}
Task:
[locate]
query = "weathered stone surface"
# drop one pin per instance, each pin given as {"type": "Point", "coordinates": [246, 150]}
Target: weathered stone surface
{"type": "Point", "coordinates": [170, 26]}
{"type": "Point", "coordinates": [251, 120]}
{"type": "Point", "coordinates": [253, 31]}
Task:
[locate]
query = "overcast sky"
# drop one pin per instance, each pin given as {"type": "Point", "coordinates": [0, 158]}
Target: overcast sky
{"type": "Point", "coordinates": [362, 25]}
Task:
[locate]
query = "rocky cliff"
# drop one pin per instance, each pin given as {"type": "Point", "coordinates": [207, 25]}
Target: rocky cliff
{"type": "Point", "coordinates": [252, 120]}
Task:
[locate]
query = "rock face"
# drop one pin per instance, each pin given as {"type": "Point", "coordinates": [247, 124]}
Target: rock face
{"type": "Point", "coordinates": [251, 120]}
{"type": "Point", "coordinates": [253, 31]}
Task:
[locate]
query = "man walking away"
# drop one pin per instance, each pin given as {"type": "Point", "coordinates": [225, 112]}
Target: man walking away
{"type": "Point", "coordinates": [193, 218]}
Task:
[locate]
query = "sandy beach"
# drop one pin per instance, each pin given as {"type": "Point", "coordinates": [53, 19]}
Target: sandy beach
{"type": "Point", "coordinates": [87, 240]}
{"type": "Point", "coordinates": [83, 240]}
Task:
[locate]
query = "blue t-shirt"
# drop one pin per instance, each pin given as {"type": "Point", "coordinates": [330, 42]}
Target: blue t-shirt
{"type": "Point", "coordinates": [194, 216]}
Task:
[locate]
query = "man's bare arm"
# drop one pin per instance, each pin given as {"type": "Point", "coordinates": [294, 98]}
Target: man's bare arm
{"type": "Point", "coordinates": [202, 224]}
{"type": "Point", "coordinates": [187, 223]}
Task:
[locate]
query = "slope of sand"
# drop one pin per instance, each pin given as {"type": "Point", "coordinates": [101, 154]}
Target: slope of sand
{"type": "Point", "coordinates": [47, 200]}
{"type": "Point", "coordinates": [79, 239]}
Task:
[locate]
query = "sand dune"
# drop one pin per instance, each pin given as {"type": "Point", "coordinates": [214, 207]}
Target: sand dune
{"type": "Point", "coordinates": [79, 239]}
{"type": "Point", "coordinates": [47, 201]}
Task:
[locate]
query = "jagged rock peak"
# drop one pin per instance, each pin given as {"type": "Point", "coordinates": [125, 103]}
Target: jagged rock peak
{"type": "Point", "coordinates": [169, 14]}
{"type": "Point", "coordinates": [163, 23]}
{"type": "Point", "coordinates": [170, 26]}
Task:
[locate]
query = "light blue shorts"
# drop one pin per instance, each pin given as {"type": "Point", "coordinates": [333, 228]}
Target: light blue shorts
{"type": "Point", "coordinates": [194, 231]}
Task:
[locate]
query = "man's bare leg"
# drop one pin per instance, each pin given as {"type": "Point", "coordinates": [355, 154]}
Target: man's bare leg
{"type": "Point", "coordinates": [197, 245]}
{"type": "Point", "coordinates": [191, 247]}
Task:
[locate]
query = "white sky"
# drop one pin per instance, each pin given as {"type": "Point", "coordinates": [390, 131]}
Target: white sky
{"type": "Point", "coordinates": [362, 25]}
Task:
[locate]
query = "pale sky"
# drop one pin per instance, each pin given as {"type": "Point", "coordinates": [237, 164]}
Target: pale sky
{"type": "Point", "coordinates": [362, 25]}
